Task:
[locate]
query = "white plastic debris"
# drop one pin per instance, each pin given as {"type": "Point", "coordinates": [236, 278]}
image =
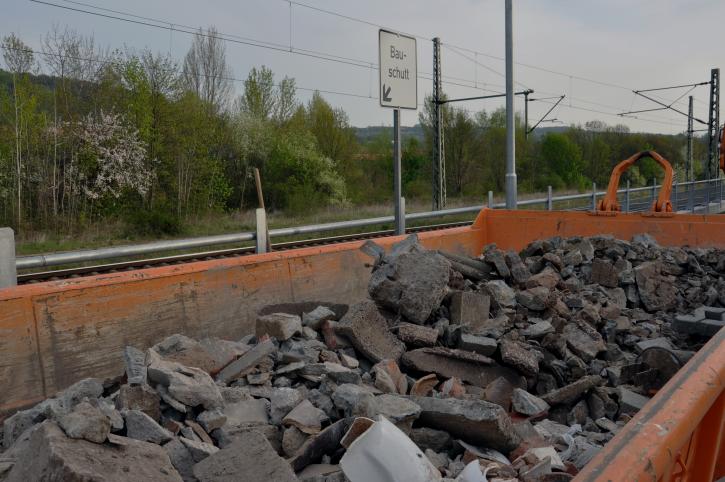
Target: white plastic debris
{"type": "Point", "coordinates": [472, 473]}
{"type": "Point", "coordinates": [385, 454]}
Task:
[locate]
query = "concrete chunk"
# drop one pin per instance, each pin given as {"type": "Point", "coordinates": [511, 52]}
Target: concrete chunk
{"type": "Point", "coordinates": [476, 422]}
{"type": "Point", "coordinates": [468, 307]}
{"type": "Point", "coordinates": [140, 426]}
{"type": "Point", "coordinates": [417, 335]}
{"type": "Point", "coordinates": [527, 404]}
{"type": "Point", "coordinates": [250, 457]}
{"type": "Point", "coordinates": [50, 455]}
{"type": "Point", "coordinates": [135, 361]}
{"type": "Point", "coordinates": [368, 331]}
{"type": "Point", "coordinates": [281, 326]}
{"type": "Point", "coordinates": [480, 344]}
{"type": "Point", "coordinates": [241, 366]}
{"type": "Point", "coordinates": [86, 422]}
{"type": "Point", "coordinates": [573, 391]}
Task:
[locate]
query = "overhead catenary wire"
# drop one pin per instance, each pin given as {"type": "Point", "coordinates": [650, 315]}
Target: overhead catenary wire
{"type": "Point", "coordinates": [172, 26]}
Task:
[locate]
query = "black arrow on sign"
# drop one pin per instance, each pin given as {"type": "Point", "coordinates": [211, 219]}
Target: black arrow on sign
{"type": "Point", "coordinates": [386, 94]}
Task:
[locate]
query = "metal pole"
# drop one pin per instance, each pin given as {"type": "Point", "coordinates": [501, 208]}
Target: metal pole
{"type": "Point", "coordinates": [688, 160]}
{"type": "Point", "coordinates": [490, 199]}
{"type": "Point", "coordinates": [8, 270]}
{"type": "Point", "coordinates": [511, 194]}
{"type": "Point", "coordinates": [626, 198]}
{"type": "Point", "coordinates": [691, 198]}
{"type": "Point", "coordinates": [549, 199]}
{"type": "Point", "coordinates": [713, 123]}
{"type": "Point", "coordinates": [594, 196]}
{"type": "Point", "coordinates": [526, 114]}
{"type": "Point", "coordinates": [439, 161]}
{"type": "Point", "coordinates": [397, 187]}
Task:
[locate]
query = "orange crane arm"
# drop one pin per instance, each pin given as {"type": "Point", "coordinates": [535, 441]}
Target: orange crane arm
{"type": "Point", "coordinates": [662, 204]}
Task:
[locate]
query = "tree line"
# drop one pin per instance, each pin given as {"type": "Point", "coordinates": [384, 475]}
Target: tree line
{"type": "Point", "coordinates": [89, 134]}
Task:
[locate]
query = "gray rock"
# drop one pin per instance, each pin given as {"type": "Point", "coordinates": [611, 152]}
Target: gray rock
{"type": "Point", "coordinates": [467, 307]}
{"type": "Point", "coordinates": [583, 340]}
{"type": "Point", "coordinates": [15, 425]}
{"type": "Point", "coordinates": [247, 412]}
{"type": "Point", "coordinates": [292, 440]}
{"type": "Point", "coordinates": [474, 421]}
{"type": "Point", "coordinates": [180, 458]}
{"type": "Point", "coordinates": [573, 391]}
{"type": "Point", "coordinates": [656, 292]}
{"type": "Point", "coordinates": [630, 402]}
{"type": "Point", "coordinates": [412, 284]}
{"type": "Point", "coordinates": [135, 361]}
{"type": "Point", "coordinates": [306, 417]}
{"type": "Point", "coordinates": [283, 400]}
{"type": "Point", "coordinates": [604, 273]}
{"type": "Point", "coordinates": [538, 329]}
{"type": "Point", "coordinates": [50, 455]}
{"type": "Point", "coordinates": [87, 388]}
{"type": "Point", "coordinates": [398, 409]}
{"type": "Point", "coordinates": [314, 318]}
{"type": "Point", "coordinates": [249, 458]}
{"type": "Point", "coordinates": [501, 293]}
{"type": "Point", "coordinates": [417, 335]}
{"type": "Point", "coordinates": [479, 344]}
{"type": "Point", "coordinates": [431, 439]}
{"type": "Point", "coordinates": [535, 299]}
{"type": "Point", "coordinates": [86, 422]}
{"type": "Point", "coordinates": [198, 450]}
{"type": "Point", "coordinates": [281, 326]}
{"type": "Point", "coordinates": [495, 257]}
{"type": "Point", "coordinates": [191, 386]}
{"type": "Point", "coordinates": [352, 399]}
{"type": "Point", "coordinates": [368, 331]}
{"type": "Point", "coordinates": [139, 397]}
{"type": "Point", "coordinates": [211, 419]}
{"type": "Point", "coordinates": [520, 356]}
{"type": "Point", "coordinates": [140, 426]}
{"type": "Point", "coordinates": [527, 404]}
{"type": "Point", "coordinates": [519, 272]}
{"type": "Point", "coordinates": [244, 364]}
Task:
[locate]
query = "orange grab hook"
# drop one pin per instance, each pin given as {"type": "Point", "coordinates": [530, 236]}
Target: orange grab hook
{"type": "Point", "coordinates": [662, 204]}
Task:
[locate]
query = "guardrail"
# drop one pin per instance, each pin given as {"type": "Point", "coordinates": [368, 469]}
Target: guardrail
{"type": "Point", "coordinates": [686, 196]}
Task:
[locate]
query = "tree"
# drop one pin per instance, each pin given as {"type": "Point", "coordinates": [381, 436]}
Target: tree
{"type": "Point", "coordinates": [331, 129]}
{"type": "Point", "coordinates": [206, 72]}
{"type": "Point", "coordinates": [562, 157]}
{"type": "Point", "coordinates": [19, 60]}
{"type": "Point", "coordinates": [259, 97]}
{"type": "Point", "coordinates": [113, 158]}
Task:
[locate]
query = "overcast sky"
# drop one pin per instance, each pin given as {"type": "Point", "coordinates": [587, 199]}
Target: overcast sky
{"type": "Point", "coordinates": [629, 44]}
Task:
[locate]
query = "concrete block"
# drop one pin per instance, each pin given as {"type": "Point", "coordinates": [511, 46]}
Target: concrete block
{"type": "Point", "coordinates": [8, 273]}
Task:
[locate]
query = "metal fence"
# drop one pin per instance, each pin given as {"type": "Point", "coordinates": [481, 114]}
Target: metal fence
{"type": "Point", "coordinates": [687, 196]}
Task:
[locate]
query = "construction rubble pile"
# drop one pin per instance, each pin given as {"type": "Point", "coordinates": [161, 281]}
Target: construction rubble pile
{"type": "Point", "coordinates": [502, 367]}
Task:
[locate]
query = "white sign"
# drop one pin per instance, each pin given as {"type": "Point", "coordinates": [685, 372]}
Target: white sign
{"type": "Point", "coordinates": [398, 70]}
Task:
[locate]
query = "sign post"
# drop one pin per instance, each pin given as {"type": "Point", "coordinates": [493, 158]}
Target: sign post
{"type": "Point", "coordinates": [398, 67]}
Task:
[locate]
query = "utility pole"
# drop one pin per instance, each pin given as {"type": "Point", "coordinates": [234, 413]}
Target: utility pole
{"type": "Point", "coordinates": [397, 168]}
{"type": "Point", "coordinates": [713, 124]}
{"type": "Point", "coordinates": [510, 126]}
{"type": "Point", "coordinates": [688, 160]}
{"type": "Point", "coordinates": [439, 160]}
{"type": "Point", "coordinates": [526, 115]}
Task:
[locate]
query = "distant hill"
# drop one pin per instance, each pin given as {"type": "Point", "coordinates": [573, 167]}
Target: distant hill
{"type": "Point", "coordinates": [366, 134]}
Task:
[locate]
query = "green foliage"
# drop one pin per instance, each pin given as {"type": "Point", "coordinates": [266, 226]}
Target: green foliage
{"type": "Point", "coordinates": [159, 221]}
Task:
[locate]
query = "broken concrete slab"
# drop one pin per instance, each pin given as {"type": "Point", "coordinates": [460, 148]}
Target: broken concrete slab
{"type": "Point", "coordinates": [480, 344]}
{"type": "Point", "coordinates": [470, 367]}
{"type": "Point", "coordinates": [534, 299]}
{"type": "Point", "coordinates": [583, 340]}
{"type": "Point", "coordinates": [135, 362]}
{"type": "Point", "coordinates": [520, 356]}
{"type": "Point", "coordinates": [604, 273]}
{"type": "Point", "coordinates": [501, 293]}
{"type": "Point", "coordinates": [246, 362]}
{"type": "Point", "coordinates": [368, 331]}
{"type": "Point", "coordinates": [250, 458]}
{"type": "Point", "coordinates": [417, 335]}
{"type": "Point", "coordinates": [473, 421]}
{"type": "Point", "coordinates": [281, 326]}
{"type": "Point", "coordinates": [655, 291]}
{"type": "Point", "coordinates": [389, 378]}
{"type": "Point", "coordinates": [413, 284]}
{"type": "Point", "coordinates": [573, 391]}
{"type": "Point", "coordinates": [316, 317]}
{"type": "Point", "coordinates": [631, 402]}
{"type": "Point", "coordinates": [283, 400]}
{"type": "Point", "coordinates": [50, 455]}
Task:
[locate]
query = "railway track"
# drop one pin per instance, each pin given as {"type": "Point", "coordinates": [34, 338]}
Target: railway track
{"type": "Point", "coordinates": [69, 273]}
